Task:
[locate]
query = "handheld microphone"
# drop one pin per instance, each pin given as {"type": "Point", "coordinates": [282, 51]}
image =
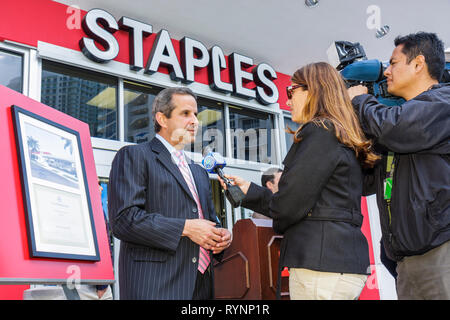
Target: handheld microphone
{"type": "Point", "coordinates": [213, 162]}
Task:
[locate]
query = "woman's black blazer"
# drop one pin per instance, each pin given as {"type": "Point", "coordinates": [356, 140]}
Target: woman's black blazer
{"type": "Point", "coordinates": [318, 205]}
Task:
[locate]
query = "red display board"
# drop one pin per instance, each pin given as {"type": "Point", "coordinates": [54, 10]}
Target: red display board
{"type": "Point", "coordinates": [16, 265]}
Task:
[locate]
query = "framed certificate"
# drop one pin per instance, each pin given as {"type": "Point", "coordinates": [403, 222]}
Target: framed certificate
{"type": "Point", "coordinates": [56, 196]}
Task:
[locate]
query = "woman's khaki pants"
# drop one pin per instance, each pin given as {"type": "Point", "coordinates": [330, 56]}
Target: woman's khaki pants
{"type": "Point", "coordinates": [306, 284]}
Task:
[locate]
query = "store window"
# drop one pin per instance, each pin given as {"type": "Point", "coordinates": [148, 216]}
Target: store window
{"type": "Point", "coordinates": [218, 200]}
{"type": "Point", "coordinates": [87, 96]}
{"type": "Point", "coordinates": [288, 123]}
{"type": "Point", "coordinates": [11, 66]}
{"type": "Point", "coordinates": [138, 103]}
{"type": "Point", "coordinates": [251, 135]}
{"type": "Point", "coordinates": [211, 130]}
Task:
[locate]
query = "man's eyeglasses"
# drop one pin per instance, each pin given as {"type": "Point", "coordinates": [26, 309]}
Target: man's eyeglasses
{"type": "Point", "coordinates": [290, 89]}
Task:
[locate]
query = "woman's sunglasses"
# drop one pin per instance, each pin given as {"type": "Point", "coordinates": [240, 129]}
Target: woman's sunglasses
{"type": "Point", "coordinates": [290, 89]}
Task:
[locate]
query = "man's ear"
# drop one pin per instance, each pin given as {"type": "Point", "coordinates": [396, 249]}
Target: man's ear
{"type": "Point", "coordinates": [161, 119]}
{"type": "Point", "coordinates": [420, 63]}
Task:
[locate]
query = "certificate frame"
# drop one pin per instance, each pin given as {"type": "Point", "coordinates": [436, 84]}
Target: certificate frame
{"type": "Point", "coordinates": [57, 203]}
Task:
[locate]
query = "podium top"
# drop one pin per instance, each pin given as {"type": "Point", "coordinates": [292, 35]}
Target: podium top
{"type": "Point", "coordinates": [262, 222]}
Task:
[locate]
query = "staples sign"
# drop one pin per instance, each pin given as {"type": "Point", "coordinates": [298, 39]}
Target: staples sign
{"type": "Point", "coordinates": [100, 27]}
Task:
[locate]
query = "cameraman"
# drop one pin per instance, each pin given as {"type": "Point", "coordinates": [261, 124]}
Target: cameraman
{"type": "Point", "coordinates": [415, 220]}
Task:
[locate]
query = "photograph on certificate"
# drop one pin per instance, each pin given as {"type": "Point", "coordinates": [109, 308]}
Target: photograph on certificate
{"type": "Point", "coordinates": [51, 156]}
{"type": "Point", "coordinates": [56, 196]}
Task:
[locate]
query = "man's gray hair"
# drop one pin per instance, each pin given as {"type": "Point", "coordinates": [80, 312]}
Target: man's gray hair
{"type": "Point", "coordinates": [163, 102]}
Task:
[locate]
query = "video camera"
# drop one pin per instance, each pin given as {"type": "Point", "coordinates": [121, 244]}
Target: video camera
{"type": "Point", "coordinates": [351, 60]}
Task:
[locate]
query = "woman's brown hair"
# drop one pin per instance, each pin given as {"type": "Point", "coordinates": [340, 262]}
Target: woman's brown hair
{"type": "Point", "coordinates": [328, 99]}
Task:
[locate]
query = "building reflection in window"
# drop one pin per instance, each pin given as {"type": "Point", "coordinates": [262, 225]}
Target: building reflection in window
{"type": "Point", "coordinates": [138, 102]}
{"type": "Point", "coordinates": [11, 66]}
{"type": "Point", "coordinates": [85, 95]}
{"type": "Point", "coordinates": [251, 135]}
{"type": "Point", "coordinates": [211, 131]}
{"type": "Point", "coordinates": [288, 123]}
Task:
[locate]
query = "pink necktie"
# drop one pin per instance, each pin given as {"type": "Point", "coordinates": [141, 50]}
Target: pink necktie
{"type": "Point", "coordinates": [204, 258]}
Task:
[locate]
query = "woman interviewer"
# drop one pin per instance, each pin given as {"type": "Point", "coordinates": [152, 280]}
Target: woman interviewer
{"type": "Point", "coordinates": [317, 207]}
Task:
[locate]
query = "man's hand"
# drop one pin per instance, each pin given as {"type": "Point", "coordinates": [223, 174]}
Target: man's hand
{"type": "Point", "coordinates": [225, 241]}
{"type": "Point", "coordinates": [356, 91]}
{"type": "Point", "coordinates": [203, 232]}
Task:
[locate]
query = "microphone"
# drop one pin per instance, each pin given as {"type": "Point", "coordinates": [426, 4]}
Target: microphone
{"type": "Point", "coordinates": [213, 162]}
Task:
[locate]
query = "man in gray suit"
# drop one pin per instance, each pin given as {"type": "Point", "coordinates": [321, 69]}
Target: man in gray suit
{"type": "Point", "coordinates": [161, 209]}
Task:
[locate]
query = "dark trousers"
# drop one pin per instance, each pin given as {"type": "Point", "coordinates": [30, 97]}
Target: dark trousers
{"type": "Point", "coordinates": [426, 276]}
{"type": "Point", "coordinates": [203, 289]}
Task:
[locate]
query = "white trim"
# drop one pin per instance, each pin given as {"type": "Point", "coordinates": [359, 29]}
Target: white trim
{"type": "Point", "coordinates": [277, 137]}
{"type": "Point", "coordinates": [386, 283]}
{"type": "Point", "coordinates": [120, 111]}
{"type": "Point", "coordinates": [226, 114]}
{"type": "Point", "coordinates": [19, 45]}
{"type": "Point", "coordinates": [116, 286]}
{"type": "Point", "coordinates": [106, 144]}
{"type": "Point", "coordinates": [282, 131]}
{"type": "Point", "coordinates": [35, 76]}
{"type": "Point", "coordinates": [51, 281]}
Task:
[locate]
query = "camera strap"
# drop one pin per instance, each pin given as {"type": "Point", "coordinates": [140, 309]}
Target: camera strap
{"type": "Point", "coordinates": [388, 182]}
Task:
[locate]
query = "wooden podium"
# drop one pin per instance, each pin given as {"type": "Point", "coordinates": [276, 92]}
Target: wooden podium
{"type": "Point", "coordinates": [249, 268]}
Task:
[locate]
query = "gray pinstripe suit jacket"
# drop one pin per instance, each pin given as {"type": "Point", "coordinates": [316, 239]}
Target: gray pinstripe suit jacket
{"type": "Point", "coordinates": [148, 203]}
